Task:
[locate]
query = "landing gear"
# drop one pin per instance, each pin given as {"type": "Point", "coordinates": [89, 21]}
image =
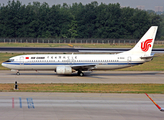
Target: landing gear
{"type": "Point", "coordinates": [17, 73]}
{"type": "Point", "coordinates": [80, 73]}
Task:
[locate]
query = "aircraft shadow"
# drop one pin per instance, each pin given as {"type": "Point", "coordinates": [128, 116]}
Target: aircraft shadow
{"type": "Point", "coordinates": [87, 74]}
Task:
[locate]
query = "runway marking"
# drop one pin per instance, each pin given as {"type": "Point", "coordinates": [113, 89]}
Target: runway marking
{"type": "Point", "coordinates": [30, 103]}
{"type": "Point", "coordinates": [20, 101]}
{"type": "Point", "coordinates": [12, 102]}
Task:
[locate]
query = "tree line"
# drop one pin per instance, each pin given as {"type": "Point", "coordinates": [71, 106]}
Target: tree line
{"type": "Point", "coordinates": [37, 20]}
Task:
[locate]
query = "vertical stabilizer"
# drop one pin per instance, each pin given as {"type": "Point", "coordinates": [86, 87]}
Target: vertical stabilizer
{"type": "Point", "coordinates": [145, 44]}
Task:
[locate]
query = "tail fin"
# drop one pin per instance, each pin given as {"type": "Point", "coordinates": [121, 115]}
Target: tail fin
{"type": "Point", "coordinates": [145, 44]}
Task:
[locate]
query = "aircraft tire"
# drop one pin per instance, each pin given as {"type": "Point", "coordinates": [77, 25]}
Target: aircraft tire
{"type": "Point", "coordinates": [17, 73]}
{"type": "Point", "coordinates": [81, 74]}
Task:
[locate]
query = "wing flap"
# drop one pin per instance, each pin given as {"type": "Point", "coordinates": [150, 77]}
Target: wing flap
{"type": "Point", "coordinates": [84, 66]}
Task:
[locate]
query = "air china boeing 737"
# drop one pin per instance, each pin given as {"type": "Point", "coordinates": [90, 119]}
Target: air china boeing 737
{"type": "Point", "coordinates": [69, 63]}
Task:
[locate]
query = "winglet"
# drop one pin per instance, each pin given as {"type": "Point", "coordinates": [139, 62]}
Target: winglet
{"type": "Point", "coordinates": [153, 101]}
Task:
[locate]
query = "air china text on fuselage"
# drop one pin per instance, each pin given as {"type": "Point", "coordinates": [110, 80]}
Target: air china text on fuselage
{"type": "Point", "coordinates": [69, 63]}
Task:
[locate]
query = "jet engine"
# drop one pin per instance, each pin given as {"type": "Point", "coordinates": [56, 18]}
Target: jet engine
{"type": "Point", "coordinates": [64, 70]}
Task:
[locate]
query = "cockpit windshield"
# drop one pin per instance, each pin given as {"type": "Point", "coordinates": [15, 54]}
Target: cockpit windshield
{"type": "Point", "coordinates": [10, 60]}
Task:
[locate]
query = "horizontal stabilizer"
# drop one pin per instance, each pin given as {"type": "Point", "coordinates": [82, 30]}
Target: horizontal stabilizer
{"type": "Point", "coordinates": [147, 57]}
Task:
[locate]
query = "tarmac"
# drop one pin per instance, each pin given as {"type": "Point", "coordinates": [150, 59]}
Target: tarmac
{"type": "Point", "coordinates": [105, 77]}
{"type": "Point", "coordinates": [68, 50]}
{"type": "Point", "coordinates": [79, 106]}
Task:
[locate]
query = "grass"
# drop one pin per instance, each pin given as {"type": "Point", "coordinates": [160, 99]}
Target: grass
{"type": "Point", "coordinates": [83, 45]}
{"type": "Point", "coordinates": [156, 64]}
{"type": "Point", "coordinates": [86, 88]}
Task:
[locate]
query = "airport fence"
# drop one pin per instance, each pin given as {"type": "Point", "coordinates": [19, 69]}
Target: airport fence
{"type": "Point", "coordinates": [69, 41]}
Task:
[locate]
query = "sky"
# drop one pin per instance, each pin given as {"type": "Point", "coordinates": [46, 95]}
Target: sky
{"type": "Point", "coordinates": [148, 4]}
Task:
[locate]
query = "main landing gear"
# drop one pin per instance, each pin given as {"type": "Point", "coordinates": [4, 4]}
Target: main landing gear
{"type": "Point", "coordinates": [18, 73]}
{"type": "Point", "coordinates": [80, 73]}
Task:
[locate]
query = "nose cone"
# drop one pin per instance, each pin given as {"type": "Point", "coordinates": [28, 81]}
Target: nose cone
{"type": "Point", "coordinates": [3, 64]}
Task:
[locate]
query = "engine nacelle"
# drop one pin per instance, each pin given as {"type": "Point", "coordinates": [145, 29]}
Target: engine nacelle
{"type": "Point", "coordinates": [63, 70]}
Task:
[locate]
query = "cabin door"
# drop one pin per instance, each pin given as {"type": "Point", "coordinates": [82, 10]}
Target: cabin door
{"type": "Point", "coordinates": [129, 59]}
{"type": "Point", "coordinates": [21, 60]}
{"type": "Point", "coordinates": [69, 60]}
{"type": "Point", "coordinates": [72, 60]}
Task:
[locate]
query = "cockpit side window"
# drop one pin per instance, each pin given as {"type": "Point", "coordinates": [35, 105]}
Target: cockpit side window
{"type": "Point", "coordinates": [10, 60]}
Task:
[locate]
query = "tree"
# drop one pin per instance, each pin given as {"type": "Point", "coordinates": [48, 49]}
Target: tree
{"type": "Point", "coordinates": [76, 21]}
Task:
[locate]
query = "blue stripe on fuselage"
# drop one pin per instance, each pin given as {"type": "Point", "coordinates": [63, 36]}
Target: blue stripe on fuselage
{"type": "Point", "coordinates": [14, 63]}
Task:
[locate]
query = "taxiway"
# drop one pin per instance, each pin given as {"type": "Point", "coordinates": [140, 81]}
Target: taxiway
{"type": "Point", "coordinates": [105, 77]}
{"type": "Point", "coordinates": [79, 106]}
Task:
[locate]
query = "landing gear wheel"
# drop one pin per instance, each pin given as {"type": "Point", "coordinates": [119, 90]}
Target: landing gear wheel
{"type": "Point", "coordinates": [17, 73]}
{"type": "Point", "coordinates": [81, 74]}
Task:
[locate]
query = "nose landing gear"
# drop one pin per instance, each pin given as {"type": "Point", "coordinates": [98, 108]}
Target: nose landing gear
{"type": "Point", "coordinates": [18, 73]}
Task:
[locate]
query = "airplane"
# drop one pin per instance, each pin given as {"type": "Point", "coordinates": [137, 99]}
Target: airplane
{"type": "Point", "coordinates": [64, 64]}
{"type": "Point", "coordinates": [161, 109]}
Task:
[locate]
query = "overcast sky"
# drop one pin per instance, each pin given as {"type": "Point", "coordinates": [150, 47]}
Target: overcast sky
{"type": "Point", "coordinates": [148, 4]}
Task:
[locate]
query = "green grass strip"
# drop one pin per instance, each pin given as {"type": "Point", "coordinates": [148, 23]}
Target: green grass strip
{"type": "Point", "coordinates": [86, 88]}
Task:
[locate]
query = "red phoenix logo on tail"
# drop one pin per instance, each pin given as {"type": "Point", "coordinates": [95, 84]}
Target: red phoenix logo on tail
{"type": "Point", "coordinates": [146, 44]}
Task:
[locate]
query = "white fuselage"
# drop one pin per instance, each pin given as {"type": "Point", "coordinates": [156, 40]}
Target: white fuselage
{"type": "Point", "coordinates": [69, 63]}
{"type": "Point", "coordinates": [51, 61]}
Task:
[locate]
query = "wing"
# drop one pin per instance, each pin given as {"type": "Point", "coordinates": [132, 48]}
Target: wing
{"type": "Point", "coordinates": [84, 67]}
